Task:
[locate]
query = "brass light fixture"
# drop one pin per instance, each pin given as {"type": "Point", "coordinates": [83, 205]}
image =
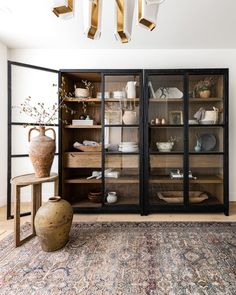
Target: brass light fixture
{"type": "Point", "coordinates": [58, 10]}
{"type": "Point", "coordinates": [124, 10]}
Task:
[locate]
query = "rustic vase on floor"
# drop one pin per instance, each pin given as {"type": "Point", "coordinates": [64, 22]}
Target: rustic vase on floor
{"type": "Point", "coordinates": [41, 151]}
{"type": "Point", "coordinates": [205, 93]}
{"type": "Point", "coordinates": [52, 224]}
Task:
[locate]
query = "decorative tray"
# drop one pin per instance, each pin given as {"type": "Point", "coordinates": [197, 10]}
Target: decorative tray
{"type": "Point", "coordinates": [177, 196]}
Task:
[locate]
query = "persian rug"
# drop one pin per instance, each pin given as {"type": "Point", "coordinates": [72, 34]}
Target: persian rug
{"type": "Point", "coordinates": [125, 259]}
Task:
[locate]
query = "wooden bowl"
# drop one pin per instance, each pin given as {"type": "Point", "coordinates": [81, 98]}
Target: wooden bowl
{"type": "Point", "coordinates": [95, 196]}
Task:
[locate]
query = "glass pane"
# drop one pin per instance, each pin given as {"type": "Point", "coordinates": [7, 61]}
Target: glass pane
{"type": "Point", "coordinates": [206, 99]}
{"type": "Point", "coordinates": [166, 179]}
{"type": "Point", "coordinates": [82, 168]}
{"type": "Point", "coordinates": [206, 186]}
{"type": "Point", "coordinates": [122, 140]}
{"type": "Point", "coordinates": [20, 135]}
{"type": "Point", "coordinates": [166, 139]}
{"type": "Point", "coordinates": [35, 83]}
{"type": "Point", "coordinates": [206, 139]}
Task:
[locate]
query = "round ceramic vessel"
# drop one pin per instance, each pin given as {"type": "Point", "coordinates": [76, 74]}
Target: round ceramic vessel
{"type": "Point", "coordinates": [111, 197]}
{"type": "Point", "coordinates": [81, 93]}
{"type": "Point", "coordinates": [52, 224]}
{"type": "Point", "coordinates": [41, 151]}
{"type": "Point", "coordinates": [164, 146]}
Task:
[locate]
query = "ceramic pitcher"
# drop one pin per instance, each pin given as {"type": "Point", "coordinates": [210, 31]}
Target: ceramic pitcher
{"type": "Point", "coordinates": [131, 89]}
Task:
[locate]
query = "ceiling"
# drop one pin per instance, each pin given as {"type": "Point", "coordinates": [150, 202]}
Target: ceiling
{"type": "Point", "coordinates": [182, 24]}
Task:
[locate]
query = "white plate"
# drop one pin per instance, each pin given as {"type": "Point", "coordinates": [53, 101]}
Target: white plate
{"type": "Point", "coordinates": [128, 143]}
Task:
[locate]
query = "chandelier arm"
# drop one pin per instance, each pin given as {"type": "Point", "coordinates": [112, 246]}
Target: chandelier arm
{"type": "Point", "coordinates": [64, 9]}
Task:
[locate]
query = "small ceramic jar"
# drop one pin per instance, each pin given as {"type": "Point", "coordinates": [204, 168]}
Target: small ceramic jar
{"type": "Point", "coordinates": [157, 121]}
{"type": "Point", "coordinates": [163, 121]}
{"type": "Point", "coordinates": [111, 198]}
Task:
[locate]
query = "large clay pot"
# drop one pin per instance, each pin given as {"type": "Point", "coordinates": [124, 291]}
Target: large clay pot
{"type": "Point", "coordinates": [52, 224]}
{"type": "Point", "coordinates": [41, 151]}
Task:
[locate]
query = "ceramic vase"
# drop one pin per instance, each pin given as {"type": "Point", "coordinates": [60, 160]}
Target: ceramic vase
{"type": "Point", "coordinates": [198, 146]}
{"type": "Point", "coordinates": [205, 93]}
{"type": "Point", "coordinates": [52, 224]}
{"type": "Point", "coordinates": [41, 151]}
{"type": "Point", "coordinates": [130, 118]}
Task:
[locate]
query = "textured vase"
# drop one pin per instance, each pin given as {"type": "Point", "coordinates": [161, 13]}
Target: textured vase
{"type": "Point", "coordinates": [41, 151]}
{"type": "Point", "coordinates": [52, 224]}
{"type": "Point", "coordinates": [205, 93]}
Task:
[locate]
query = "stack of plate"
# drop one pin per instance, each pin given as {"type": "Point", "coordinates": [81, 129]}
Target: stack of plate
{"type": "Point", "coordinates": [128, 147]}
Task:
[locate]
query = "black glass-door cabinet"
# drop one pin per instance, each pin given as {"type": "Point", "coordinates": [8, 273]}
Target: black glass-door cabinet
{"type": "Point", "coordinates": [138, 141]}
{"type": "Point", "coordinates": [186, 141]}
{"type": "Point", "coordinates": [102, 141]}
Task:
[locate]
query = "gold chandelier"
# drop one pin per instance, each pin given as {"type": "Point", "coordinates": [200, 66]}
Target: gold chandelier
{"type": "Point", "coordinates": [124, 11]}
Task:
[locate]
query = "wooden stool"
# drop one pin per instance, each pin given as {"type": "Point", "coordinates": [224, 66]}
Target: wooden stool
{"type": "Point", "coordinates": [36, 199]}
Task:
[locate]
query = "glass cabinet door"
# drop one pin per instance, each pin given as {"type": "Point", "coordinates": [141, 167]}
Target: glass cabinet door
{"type": "Point", "coordinates": [121, 140]}
{"type": "Point", "coordinates": [206, 139]}
{"type": "Point", "coordinates": [166, 139]}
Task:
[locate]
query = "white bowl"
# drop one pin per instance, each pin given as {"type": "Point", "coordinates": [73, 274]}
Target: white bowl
{"type": "Point", "coordinates": [81, 93]}
{"type": "Point", "coordinates": [165, 146]}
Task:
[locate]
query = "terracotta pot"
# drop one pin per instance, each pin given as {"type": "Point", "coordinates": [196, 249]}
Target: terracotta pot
{"type": "Point", "coordinates": [52, 224]}
{"type": "Point", "coordinates": [205, 93]}
{"type": "Point", "coordinates": [41, 151]}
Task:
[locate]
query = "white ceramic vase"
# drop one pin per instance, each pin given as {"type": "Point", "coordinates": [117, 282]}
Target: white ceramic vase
{"type": "Point", "coordinates": [131, 89]}
{"type": "Point", "coordinates": [130, 118]}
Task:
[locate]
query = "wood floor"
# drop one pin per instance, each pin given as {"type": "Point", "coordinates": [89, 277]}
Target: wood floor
{"type": "Point", "coordinates": [7, 226]}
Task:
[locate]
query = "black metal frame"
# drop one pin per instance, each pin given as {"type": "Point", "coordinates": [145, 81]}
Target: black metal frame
{"type": "Point", "coordinates": [10, 124]}
{"type": "Point", "coordinates": [144, 207]}
{"type": "Point", "coordinates": [186, 206]}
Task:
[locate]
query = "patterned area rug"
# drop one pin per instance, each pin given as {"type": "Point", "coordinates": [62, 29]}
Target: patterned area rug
{"type": "Point", "coordinates": [125, 259]}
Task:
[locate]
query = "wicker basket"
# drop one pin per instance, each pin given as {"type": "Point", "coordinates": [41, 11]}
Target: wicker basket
{"type": "Point", "coordinates": [85, 148]}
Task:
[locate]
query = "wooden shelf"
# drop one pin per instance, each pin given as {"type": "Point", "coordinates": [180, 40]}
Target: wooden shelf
{"type": "Point", "coordinates": [97, 100]}
{"type": "Point", "coordinates": [74, 99]}
{"type": "Point", "coordinates": [166, 126]}
{"type": "Point", "coordinates": [83, 126]}
{"type": "Point", "coordinates": [86, 203]}
{"type": "Point", "coordinates": [121, 180]}
{"type": "Point", "coordinates": [206, 125]}
{"type": "Point", "coordinates": [210, 99]}
{"type": "Point", "coordinates": [208, 179]}
{"type": "Point", "coordinates": [152, 152]}
{"type": "Point", "coordinates": [163, 100]}
{"type": "Point", "coordinates": [121, 201]}
{"type": "Point", "coordinates": [122, 125]}
{"type": "Point", "coordinates": [181, 100]}
{"type": "Point", "coordinates": [125, 201]}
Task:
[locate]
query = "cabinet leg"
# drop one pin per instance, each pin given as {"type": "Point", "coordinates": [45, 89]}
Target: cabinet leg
{"type": "Point", "coordinates": [33, 208]}
{"type": "Point", "coordinates": [56, 187]}
{"type": "Point", "coordinates": [16, 192]}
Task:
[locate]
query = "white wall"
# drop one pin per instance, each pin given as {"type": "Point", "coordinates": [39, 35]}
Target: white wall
{"type": "Point", "coordinates": [3, 124]}
{"type": "Point", "coordinates": [99, 59]}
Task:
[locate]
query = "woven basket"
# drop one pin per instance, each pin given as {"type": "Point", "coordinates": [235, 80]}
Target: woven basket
{"type": "Point", "coordinates": [85, 148]}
